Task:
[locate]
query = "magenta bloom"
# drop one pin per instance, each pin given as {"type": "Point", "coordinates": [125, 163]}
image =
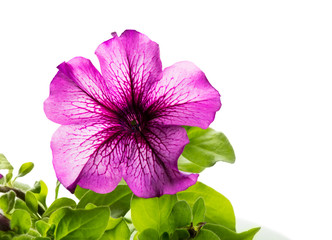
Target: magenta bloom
{"type": "Point", "coordinates": [126, 122]}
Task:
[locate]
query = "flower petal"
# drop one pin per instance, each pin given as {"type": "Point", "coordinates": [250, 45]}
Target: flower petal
{"type": "Point", "coordinates": [82, 152]}
{"type": "Point", "coordinates": [78, 94]}
{"type": "Point", "coordinates": [130, 64]}
{"type": "Point", "coordinates": [151, 169]}
{"type": "Point", "coordinates": [184, 97]}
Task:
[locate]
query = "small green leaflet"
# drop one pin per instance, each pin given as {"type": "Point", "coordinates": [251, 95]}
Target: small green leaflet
{"type": "Point", "coordinates": [225, 233]}
{"type": "Point", "coordinates": [4, 164]}
{"type": "Point", "coordinates": [199, 211]}
{"type": "Point", "coordinates": [219, 210]}
{"type": "Point", "coordinates": [25, 169]}
{"type": "Point", "coordinates": [180, 215]}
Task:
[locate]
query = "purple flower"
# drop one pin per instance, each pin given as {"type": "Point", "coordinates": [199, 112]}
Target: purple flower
{"type": "Point", "coordinates": [126, 121]}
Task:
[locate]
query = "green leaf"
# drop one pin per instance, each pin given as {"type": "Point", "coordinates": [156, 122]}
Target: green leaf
{"type": "Point", "coordinates": [119, 232]}
{"type": "Point", "coordinates": [22, 186]}
{"type": "Point", "coordinates": [80, 224]}
{"type": "Point", "coordinates": [7, 201]}
{"type": "Point", "coordinates": [113, 222]}
{"type": "Point", "coordinates": [9, 176]}
{"type": "Point", "coordinates": [79, 191]}
{"type": "Point", "coordinates": [23, 237]}
{"type": "Point", "coordinates": [152, 212]}
{"type": "Point", "coordinates": [31, 201]}
{"type": "Point", "coordinates": [180, 215]}
{"type": "Point", "coordinates": [118, 200]}
{"type": "Point", "coordinates": [149, 234]}
{"type": "Point", "coordinates": [59, 203]}
{"type": "Point", "coordinates": [4, 163]}
{"type": "Point", "coordinates": [20, 204]}
{"type": "Point", "coordinates": [21, 221]}
{"type": "Point", "coordinates": [40, 190]}
{"type": "Point", "coordinates": [219, 210]}
{"type": "Point", "coordinates": [33, 232]}
{"type": "Point", "coordinates": [199, 211]}
{"type": "Point", "coordinates": [205, 234]}
{"type": "Point", "coordinates": [4, 202]}
{"type": "Point", "coordinates": [225, 233]}
{"type": "Point", "coordinates": [42, 227]}
{"type": "Point", "coordinates": [90, 206]}
{"type": "Point", "coordinates": [188, 166]}
{"type": "Point", "coordinates": [25, 169]}
{"type": "Point", "coordinates": [206, 147]}
{"type": "Point", "coordinates": [180, 234]}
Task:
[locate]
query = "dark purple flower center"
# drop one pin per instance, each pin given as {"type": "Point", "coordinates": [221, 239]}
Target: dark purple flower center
{"type": "Point", "coordinates": [134, 119]}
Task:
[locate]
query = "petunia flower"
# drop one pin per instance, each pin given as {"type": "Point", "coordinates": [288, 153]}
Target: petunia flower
{"type": "Point", "coordinates": [125, 122]}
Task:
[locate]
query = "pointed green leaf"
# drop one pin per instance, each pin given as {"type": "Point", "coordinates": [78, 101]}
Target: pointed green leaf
{"type": "Point", "coordinates": [198, 211]}
{"type": "Point", "coordinates": [118, 200]}
{"type": "Point", "coordinates": [119, 232]}
{"type": "Point", "coordinates": [21, 221]}
{"type": "Point", "coordinates": [152, 212]}
{"type": "Point", "coordinates": [4, 163]}
{"type": "Point", "coordinates": [11, 200]}
{"type": "Point", "coordinates": [4, 202]}
{"type": "Point", "coordinates": [31, 201]}
{"type": "Point", "coordinates": [25, 169]}
{"type": "Point", "coordinates": [59, 203]}
{"type": "Point", "coordinates": [9, 176]}
{"type": "Point", "coordinates": [42, 227]}
{"type": "Point", "coordinates": [20, 204]}
{"type": "Point", "coordinates": [205, 234]}
{"type": "Point", "coordinates": [206, 147]}
{"type": "Point", "coordinates": [180, 215]}
{"type": "Point", "coordinates": [40, 190]}
{"type": "Point", "coordinates": [113, 222]}
{"type": "Point", "coordinates": [225, 233]}
{"type": "Point", "coordinates": [149, 234]}
{"type": "Point", "coordinates": [7, 201]}
{"type": "Point", "coordinates": [219, 210]}
{"type": "Point", "coordinates": [79, 224]}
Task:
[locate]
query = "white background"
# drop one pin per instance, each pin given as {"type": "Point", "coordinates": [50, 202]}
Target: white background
{"type": "Point", "coordinates": [270, 60]}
